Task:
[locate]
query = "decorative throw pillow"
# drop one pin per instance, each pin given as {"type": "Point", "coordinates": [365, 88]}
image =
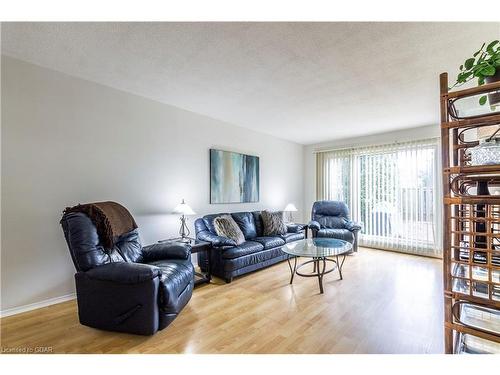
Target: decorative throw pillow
{"type": "Point", "coordinates": [274, 223]}
{"type": "Point", "coordinates": [225, 226]}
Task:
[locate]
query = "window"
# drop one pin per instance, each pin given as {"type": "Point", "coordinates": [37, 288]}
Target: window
{"type": "Point", "coordinates": [391, 189]}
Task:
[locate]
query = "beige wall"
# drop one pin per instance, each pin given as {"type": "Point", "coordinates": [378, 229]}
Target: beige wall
{"type": "Point", "coordinates": [381, 138]}
{"type": "Point", "coordinates": [67, 141]}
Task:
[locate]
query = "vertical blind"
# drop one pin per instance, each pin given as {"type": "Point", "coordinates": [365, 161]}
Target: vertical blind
{"type": "Point", "coordinates": [391, 189]}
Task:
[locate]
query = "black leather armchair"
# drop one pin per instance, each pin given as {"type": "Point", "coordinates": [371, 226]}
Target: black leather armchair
{"type": "Point", "coordinates": [130, 288]}
{"type": "Point", "coordinates": [331, 219]}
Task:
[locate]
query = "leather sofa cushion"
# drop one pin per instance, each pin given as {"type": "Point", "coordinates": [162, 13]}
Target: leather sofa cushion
{"type": "Point", "coordinates": [259, 225]}
{"type": "Point", "coordinates": [270, 242]}
{"type": "Point", "coordinates": [254, 258]}
{"type": "Point", "coordinates": [246, 222]}
{"type": "Point", "coordinates": [176, 275]}
{"type": "Point", "coordinates": [209, 221]}
{"type": "Point", "coordinates": [248, 247]}
{"type": "Point", "coordinates": [290, 237]}
{"type": "Point", "coordinates": [341, 234]}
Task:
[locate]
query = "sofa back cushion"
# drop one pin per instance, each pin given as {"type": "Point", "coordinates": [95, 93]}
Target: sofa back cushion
{"type": "Point", "coordinates": [246, 222]}
{"type": "Point", "coordinates": [209, 221]}
{"type": "Point", "coordinates": [259, 225]}
{"type": "Point", "coordinates": [84, 244]}
{"type": "Point", "coordinates": [225, 226]}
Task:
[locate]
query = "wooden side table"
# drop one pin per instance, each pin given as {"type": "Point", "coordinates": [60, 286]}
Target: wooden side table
{"type": "Point", "coordinates": [196, 247]}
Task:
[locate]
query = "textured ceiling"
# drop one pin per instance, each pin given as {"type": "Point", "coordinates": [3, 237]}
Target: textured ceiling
{"type": "Point", "coordinates": [306, 82]}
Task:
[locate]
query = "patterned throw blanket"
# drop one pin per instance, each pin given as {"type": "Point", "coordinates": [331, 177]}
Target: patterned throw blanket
{"type": "Point", "coordinates": [110, 218]}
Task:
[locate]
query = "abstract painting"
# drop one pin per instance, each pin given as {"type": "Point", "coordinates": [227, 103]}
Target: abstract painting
{"type": "Point", "coordinates": [234, 177]}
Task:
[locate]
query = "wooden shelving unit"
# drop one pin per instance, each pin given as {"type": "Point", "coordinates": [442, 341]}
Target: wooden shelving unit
{"type": "Point", "coordinates": [471, 232]}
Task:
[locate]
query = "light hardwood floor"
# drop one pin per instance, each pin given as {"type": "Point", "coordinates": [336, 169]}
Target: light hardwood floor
{"type": "Point", "coordinates": [387, 303]}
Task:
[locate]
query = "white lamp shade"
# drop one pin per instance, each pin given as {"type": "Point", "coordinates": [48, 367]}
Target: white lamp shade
{"type": "Point", "coordinates": [290, 207]}
{"type": "Point", "coordinates": [183, 209]}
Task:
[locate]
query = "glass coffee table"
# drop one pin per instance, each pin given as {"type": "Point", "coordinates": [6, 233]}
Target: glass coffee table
{"type": "Point", "coordinates": [320, 250]}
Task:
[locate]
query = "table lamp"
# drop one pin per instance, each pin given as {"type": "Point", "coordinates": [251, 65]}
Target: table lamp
{"type": "Point", "coordinates": [290, 207]}
{"type": "Point", "coordinates": [183, 209]}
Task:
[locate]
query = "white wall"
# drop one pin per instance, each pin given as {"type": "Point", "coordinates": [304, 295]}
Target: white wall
{"type": "Point", "coordinates": [375, 139]}
{"type": "Point", "coordinates": [67, 141]}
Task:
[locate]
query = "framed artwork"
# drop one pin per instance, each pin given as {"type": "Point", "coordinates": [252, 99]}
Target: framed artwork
{"type": "Point", "coordinates": [234, 177]}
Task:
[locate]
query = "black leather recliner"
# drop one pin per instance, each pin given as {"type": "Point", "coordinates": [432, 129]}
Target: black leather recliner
{"type": "Point", "coordinates": [331, 219]}
{"type": "Point", "coordinates": [131, 288]}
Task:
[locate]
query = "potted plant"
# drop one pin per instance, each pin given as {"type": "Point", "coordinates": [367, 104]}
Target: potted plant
{"type": "Point", "coordinates": [485, 66]}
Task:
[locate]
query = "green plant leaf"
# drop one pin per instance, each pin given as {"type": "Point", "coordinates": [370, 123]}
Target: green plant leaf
{"type": "Point", "coordinates": [490, 46]}
{"type": "Point", "coordinates": [488, 70]}
{"type": "Point", "coordinates": [461, 67]}
{"type": "Point", "coordinates": [480, 81]}
{"type": "Point", "coordinates": [482, 100]}
{"type": "Point", "coordinates": [469, 63]}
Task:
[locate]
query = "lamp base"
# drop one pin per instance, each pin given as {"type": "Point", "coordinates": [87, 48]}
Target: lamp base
{"type": "Point", "coordinates": [184, 230]}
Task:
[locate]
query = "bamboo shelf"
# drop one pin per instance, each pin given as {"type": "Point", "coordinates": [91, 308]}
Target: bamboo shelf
{"type": "Point", "coordinates": [471, 229]}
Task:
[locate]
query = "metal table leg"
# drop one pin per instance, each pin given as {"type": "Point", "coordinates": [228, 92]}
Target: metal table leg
{"type": "Point", "coordinates": [292, 271]}
{"type": "Point", "coordinates": [339, 265]}
{"type": "Point", "coordinates": [320, 274]}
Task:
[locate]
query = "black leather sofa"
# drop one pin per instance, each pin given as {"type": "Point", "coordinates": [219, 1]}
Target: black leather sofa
{"type": "Point", "coordinates": [131, 288]}
{"type": "Point", "coordinates": [229, 260]}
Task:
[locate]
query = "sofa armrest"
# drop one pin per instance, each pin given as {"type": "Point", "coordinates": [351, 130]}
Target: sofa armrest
{"type": "Point", "coordinates": [123, 273]}
{"type": "Point", "coordinates": [166, 250]}
{"type": "Point", "coordinates": [295, 228]}
{"type": "Point", "coordinates": [216, 241]}
{"type": "Point", "coordinates": [314, 225]}
{"type": "Point", "coordinates": [353, 226]}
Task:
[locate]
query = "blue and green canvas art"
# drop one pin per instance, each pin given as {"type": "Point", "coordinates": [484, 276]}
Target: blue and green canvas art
{"type": "Point", "coordinates": [234, 177]}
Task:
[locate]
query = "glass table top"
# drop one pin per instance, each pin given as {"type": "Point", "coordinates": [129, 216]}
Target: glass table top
{"type": "Point", "coordinates": [317, 247]}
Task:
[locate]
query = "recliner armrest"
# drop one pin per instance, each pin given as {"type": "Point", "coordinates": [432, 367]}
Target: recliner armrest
{"type": "Point", "coordinates": [166, 250]}
{"type": "Point", "coordinates": [314, 225]}
{"type": "Point", "coordinates": [123, 273]}
{"type": "Point", "coordinates": [216, 241]}
{"type": "Point", "coordinates": [353, 226]}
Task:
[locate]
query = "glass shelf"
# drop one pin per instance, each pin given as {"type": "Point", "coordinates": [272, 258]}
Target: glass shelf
{"type": "Point", "coordinates": [469, 344]}
{"type": "Point", "coordinates": [469, 107]}
{"type": "Point", "coordinates": [478, 317]}
{"type": "Point", "coordinates": [479, 257]}
{"type": "Point", "coordinates": [478, 273]}
{"type": "Point", "coordinates": [479, 289]}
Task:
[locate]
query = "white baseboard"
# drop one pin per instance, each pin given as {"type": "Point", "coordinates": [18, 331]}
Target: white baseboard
{"type": "Point", "coordinates": [37, 305]}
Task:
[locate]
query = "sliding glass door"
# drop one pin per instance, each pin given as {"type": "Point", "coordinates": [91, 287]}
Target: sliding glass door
{"type": "Point", "coordinates": [391, 189]}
